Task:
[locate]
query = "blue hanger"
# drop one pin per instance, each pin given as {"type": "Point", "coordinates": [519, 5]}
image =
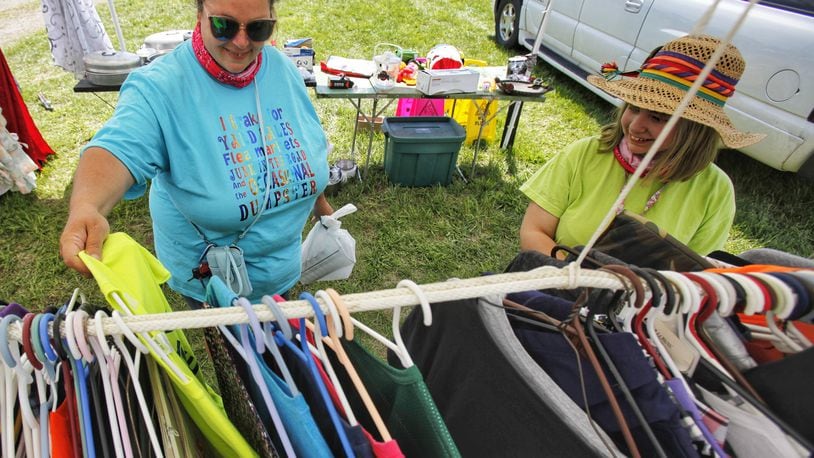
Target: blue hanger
{"type": "Point", "coordinates": [323, 391]}
{"type": "Point", "coordinates": [217, 293]}
{"type": "Point", "coordinates": [319, 331]}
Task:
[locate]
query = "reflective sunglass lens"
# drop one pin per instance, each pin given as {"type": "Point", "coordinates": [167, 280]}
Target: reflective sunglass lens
{"type": "Point", "coordinates": [223, 28]}
{"type": "Point", "coordinates": [260, 30]}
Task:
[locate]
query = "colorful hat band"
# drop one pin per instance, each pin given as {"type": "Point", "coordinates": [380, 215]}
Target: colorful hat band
{"type": "Point", "coordinates": [681, 71]}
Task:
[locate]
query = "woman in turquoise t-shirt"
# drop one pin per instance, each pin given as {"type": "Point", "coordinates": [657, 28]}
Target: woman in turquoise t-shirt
{"type": "Point", "coordinates": [225, 133]}
{"type": "Point", "coordinates": [682, 191]}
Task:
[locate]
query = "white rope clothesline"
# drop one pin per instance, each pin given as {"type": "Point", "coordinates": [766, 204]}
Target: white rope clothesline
{"type": "Point", "coordinates": [570, 277]}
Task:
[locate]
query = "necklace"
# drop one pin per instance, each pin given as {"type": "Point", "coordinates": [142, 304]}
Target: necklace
{"type": "Point", "coordinates": [647, 205]}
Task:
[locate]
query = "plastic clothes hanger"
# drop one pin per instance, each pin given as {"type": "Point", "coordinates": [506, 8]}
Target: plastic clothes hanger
{"type": "Point", "coordinates": [635, 297]}
{"type": "Point", "coordinates": [9, 395]}
{"type": "Point", "coordinates": [339, 314]}
{"type": "Point", "coordinates": [723, 290]}
{"type": "Point", "coordinates": [134, 376]}
{"type": "Point", "coordinates": [785, 297]}
{"type": "Point", "coordinates": [46, 385]}
{"type": "Point", "coordinates": [28, 320]}
{"type": "Point", "coordinates": [707, 304]}
{"type": "Point", "coordinates": [254, 369]}
{"type": "Point", "coordinates": [157, 343]}
{"type": "Point", "coordinates": [320, 326]}
{"type": "Point", "coordinates": [654, 301]}
{"type": "Point", "coordinates": [753, 300]}
{"type": "Point", "coordinates": [101, 354]}
{"type": "Point", "coordinates": [109, 361]}
{"type": "Point", "coordinates": [68, 381]}
{"type": "Point", "coordinates": [304, 354]}
{"type": "Point", "coordinates": [80, 377]}
{"type": "Point", "coordinates": [398, 347]}
{"type": "Point", "coordinates": [13, 373]}
{"type": "Point", "coordinates": [268, 337]}
{"type": "Point", "coordinates": [218, 294]}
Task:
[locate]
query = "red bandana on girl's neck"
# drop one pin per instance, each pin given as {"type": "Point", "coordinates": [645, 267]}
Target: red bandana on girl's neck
{"type": "Point", "coordinates": [206, 60]}
{"type": "Point", "coordinates": [627, 159]}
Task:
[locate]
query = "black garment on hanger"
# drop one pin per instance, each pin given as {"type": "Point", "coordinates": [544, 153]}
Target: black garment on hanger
{"type": "Point", "coordinates": [102, 436]}
{"type": "Point", "coordinates": [557, 358]}
{"type": "Point", "coordinates": [785, 385]}
{"type": "Point", "coordinates": [489, 409]}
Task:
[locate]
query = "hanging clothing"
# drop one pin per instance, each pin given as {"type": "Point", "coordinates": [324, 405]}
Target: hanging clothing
{"type": "Point", "coordinates": [489, 391]}
{"type": "Point", "coordinates": [404, 403]}
{"type": "Point", "coordinates": [18, 119]}
{"type": "Point", "coordinates": [237, 401]}
{"type": "Point", "coordinates": [557, 358]}
{"type": "Point", "coordinates": [74, 29]}
{"type": "Point", "coordinates": [135, 275]}
{"type": "Point", "coordinates": [16, 168]}
{"type": "Point", "coordinates": [786, 387]}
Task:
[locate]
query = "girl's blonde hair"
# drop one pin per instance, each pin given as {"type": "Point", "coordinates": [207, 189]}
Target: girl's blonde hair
{"type": "Point", "coordinates": [694, 147]}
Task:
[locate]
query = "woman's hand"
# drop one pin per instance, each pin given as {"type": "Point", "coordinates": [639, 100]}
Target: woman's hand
{"type": "Point", "coordinates": [86, 230]}
{"type": "Point", "coordinates": [322, 207]}
{"type": "Point", "coordinates": [538, 229]}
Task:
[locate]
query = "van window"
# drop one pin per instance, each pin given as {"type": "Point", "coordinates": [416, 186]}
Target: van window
{"type": "Point", "coordinates": [795, 6]}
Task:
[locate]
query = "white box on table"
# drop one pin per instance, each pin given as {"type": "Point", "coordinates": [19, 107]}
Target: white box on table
{"type": "Point", "coordinates": [447, 81]}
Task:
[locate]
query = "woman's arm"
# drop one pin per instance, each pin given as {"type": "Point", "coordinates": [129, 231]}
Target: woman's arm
{"type": "Point", "coordinates": [538, 229]}
{"type": "Point", "coordinates": [322, 207]}
{"type": "Point", "coordinates": [99, 184]}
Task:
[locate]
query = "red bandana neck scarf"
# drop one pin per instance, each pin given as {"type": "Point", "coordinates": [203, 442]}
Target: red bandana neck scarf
{"type": "Point", "coordinates": [627, 159]}
{"type": "Point", "coordinates": [214, 69]}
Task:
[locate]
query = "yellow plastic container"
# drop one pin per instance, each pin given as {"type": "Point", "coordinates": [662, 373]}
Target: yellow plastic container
{"type": "Point", "coordinates": [468, 114]}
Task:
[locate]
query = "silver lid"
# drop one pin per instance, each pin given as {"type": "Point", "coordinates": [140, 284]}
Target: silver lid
{"type": "Point", "coordinates": [111, 61]}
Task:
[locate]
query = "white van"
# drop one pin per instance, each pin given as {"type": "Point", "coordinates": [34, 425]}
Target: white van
{"type": "Point", "coordinates": [775, 95]}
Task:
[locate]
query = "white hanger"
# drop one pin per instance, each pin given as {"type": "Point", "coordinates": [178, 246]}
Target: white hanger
{"type": "Point", "coordinates": [134, 376]}
{"type": "Point", "coordinates": [785, 299]}
{"type": "Point", "coordinates": [108, 367]}
{"type": "Point", "coordinates": [754, 301]}
{"type": "Point", "coordinates": [112, 417]}
{"type": "Point", "coordinates": [152, 344]}
{"type": "Point", "coordinates": [271, 343]}
{"type": "Point", "coordinates": [725, 291]}
{"type": "Point", "coordinates": [426, 313]}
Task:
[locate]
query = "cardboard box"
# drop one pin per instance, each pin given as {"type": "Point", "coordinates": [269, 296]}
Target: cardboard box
{"type": "Point", "coordinates": [447, 81]}
{"type": "Point", "coordinates": [302, 57]}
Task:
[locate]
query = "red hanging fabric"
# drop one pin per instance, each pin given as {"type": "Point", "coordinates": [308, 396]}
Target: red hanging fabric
{"type": "Point", "coordinates": [18, 119]}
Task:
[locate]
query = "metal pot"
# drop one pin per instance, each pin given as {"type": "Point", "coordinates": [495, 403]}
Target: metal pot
{"type": "Point", "coordinates": [109, 68]}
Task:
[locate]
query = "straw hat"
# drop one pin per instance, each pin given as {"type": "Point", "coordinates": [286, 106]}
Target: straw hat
{"type": "Point", "coordinates": [666, 76]}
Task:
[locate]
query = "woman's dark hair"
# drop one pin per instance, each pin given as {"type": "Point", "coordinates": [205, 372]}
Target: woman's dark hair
{"type": "Point", "coordinates": [695, 146]}
{"type": "Point", "coordinates": [199, 5]}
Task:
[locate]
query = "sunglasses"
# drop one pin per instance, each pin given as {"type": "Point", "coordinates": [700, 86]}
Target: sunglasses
{"type": "Point", "coordinates": [225, 29]}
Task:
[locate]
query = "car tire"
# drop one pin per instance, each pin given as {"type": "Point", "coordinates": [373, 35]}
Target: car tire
{"type": "Point", "coordinates": [507, 23]}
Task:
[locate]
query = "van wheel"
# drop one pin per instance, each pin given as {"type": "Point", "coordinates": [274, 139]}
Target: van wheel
{"type": "Point", "coordinates": [507, 23]}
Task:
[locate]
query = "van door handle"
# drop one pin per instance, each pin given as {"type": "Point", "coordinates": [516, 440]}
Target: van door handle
{"type": "Point", "coordinates": [633, 6]}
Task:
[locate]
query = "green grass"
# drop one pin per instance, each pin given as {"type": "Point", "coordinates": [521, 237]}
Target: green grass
{"type": "Point", "coordinates": [426, 234]}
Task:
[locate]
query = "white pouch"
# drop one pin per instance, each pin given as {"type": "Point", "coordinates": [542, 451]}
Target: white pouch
{"type": "Point", "coordinates": [328, 252]}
